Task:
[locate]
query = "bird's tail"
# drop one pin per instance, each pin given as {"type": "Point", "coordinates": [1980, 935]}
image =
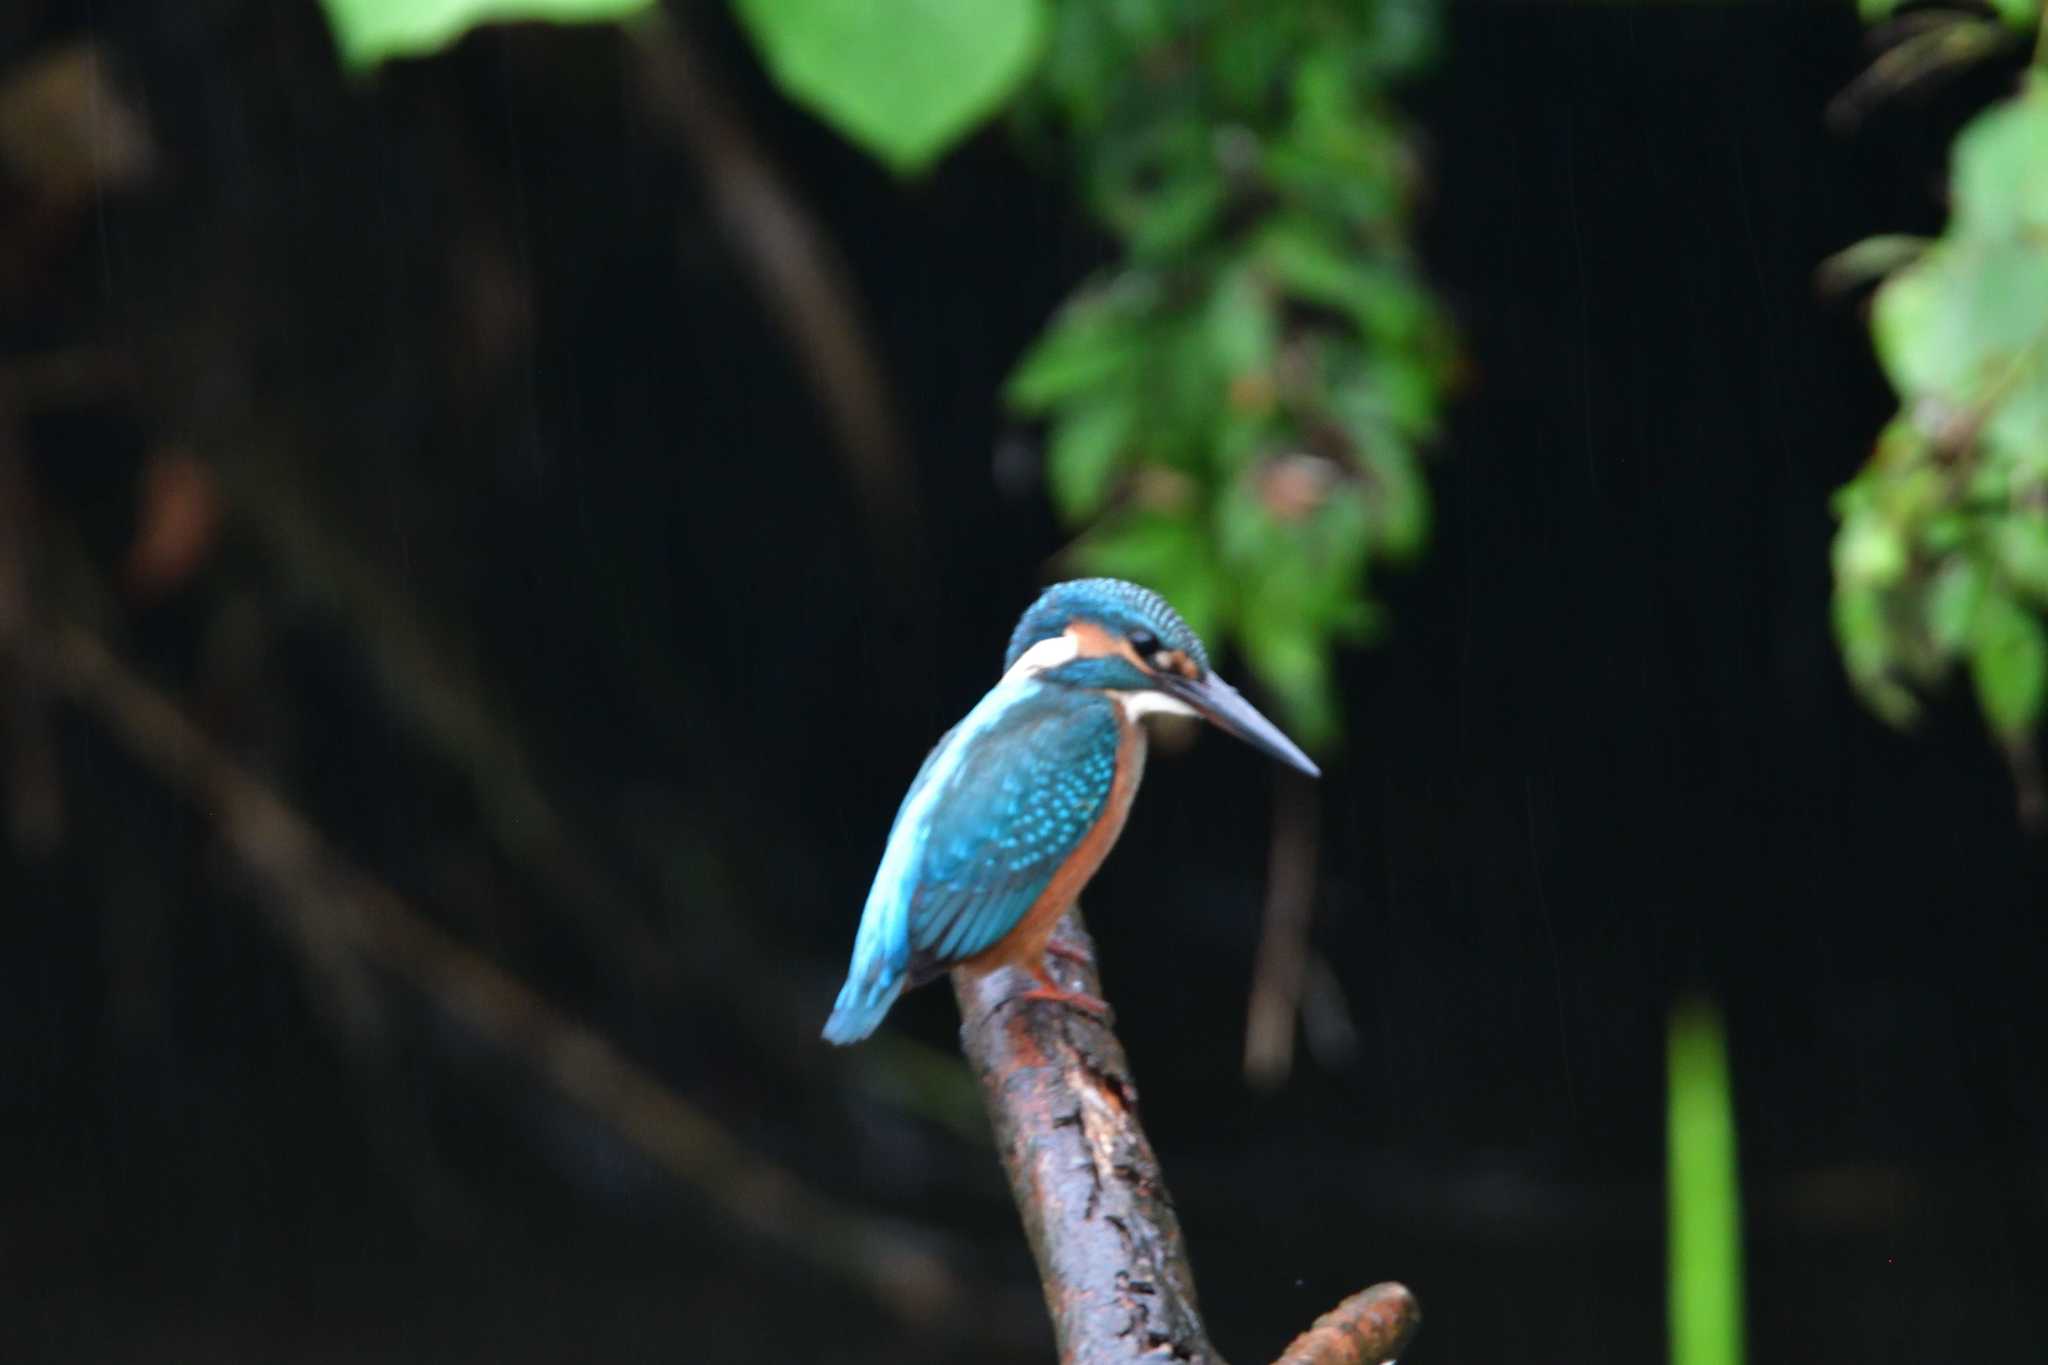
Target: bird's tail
{"type": "Point", "coordinates": [862, 1002]}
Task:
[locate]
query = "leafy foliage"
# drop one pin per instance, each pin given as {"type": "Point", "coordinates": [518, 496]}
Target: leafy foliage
{"type": "Point", "coordinates": [1237, 409]}
{"type": "Point", "coordinates": [1941, 557]}
{"type": "Point", "coordinates": [370, 31]}
{"type": "Point", "coordinates": [905, 79]}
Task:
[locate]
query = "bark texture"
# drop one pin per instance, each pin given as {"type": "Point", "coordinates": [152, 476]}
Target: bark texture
{"type": "Point", "coordinates": [1372, 1325]}
{"type": "Point", "coordinates": [1095, 1206]}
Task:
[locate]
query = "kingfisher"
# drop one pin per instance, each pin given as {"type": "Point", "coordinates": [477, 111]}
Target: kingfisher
{"type": "Point", "coordinates": [1017, 805]}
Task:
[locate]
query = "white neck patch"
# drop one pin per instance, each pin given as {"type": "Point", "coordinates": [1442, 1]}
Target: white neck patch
{"type": "Point", "coordinates": [1060, 649]}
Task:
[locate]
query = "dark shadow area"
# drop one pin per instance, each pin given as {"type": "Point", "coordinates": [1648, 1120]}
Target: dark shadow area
{"type": "Point", "coordinates": [527, 496]}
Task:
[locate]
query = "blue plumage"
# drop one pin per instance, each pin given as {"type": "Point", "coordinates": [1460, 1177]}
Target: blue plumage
{"type": "Point", "coordinates": [999, 805]}
{"type": "Point", "coordinates": [1016, 806]}
{"type": "Point", "coordinates": [1023, 797]}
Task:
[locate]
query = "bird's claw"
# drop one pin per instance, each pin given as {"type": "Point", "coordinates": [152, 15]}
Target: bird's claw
{"type": "Point", "coordinates": [1070, 951]}
{"type": "Point", "coordinates": [1077, 1000]}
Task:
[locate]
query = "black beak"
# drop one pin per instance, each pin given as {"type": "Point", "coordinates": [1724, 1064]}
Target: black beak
{"type": "Point", "coordinates": [1224, 707]}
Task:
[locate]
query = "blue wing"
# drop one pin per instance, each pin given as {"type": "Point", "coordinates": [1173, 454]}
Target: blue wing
{"type": "Point", "coordinates": [1025, 794]}
{"type": "Point", "coordinates": [999, 804]}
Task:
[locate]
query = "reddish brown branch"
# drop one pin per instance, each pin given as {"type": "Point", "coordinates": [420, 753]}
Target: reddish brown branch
{"type": "Point", "coordinates": [1094, 1204]}
{"type": "Point", "coordinates": [1371, 1326]}
{"type": "Point", "coordinates": [1089, 1188]}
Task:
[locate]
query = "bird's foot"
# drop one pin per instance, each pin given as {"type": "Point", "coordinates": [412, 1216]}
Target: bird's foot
{"type": "Point", "coordinates": [1072, 952]}
{"type": "Point", "coordinates": [1077, 1000]}
{"type": "Point", "coordinates": [1049, 989]}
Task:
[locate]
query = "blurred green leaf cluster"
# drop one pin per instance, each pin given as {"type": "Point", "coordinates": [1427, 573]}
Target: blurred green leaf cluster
{"type": "Point", "coordinates": [1941, 557]}
{"type": "Point", "coordinates": [1236, 411]}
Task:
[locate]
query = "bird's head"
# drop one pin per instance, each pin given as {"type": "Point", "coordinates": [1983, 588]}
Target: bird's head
{"type": "Point", "coordinates": [1116, 637]}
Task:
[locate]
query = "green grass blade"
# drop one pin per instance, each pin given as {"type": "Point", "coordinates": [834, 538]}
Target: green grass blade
{"type": "Point", "coordinates": [1705, 1194]}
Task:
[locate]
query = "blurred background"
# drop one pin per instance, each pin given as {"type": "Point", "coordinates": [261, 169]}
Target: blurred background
{"type": "Point", "coordinates": [487, 536]}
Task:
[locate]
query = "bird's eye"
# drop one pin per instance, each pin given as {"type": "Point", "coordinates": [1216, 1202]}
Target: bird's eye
{"type": "Point", "coordinates": [1145, 642]}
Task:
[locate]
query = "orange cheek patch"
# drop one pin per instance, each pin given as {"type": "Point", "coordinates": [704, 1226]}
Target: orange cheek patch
{"type": "Point", "coordinates": [1092, 641]}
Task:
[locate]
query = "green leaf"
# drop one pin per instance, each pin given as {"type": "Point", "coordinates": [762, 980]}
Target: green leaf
{"type": "Point", "coordinates": [1342, 537]}
{"type": "Point", "coordinates": [1143, 23]}
{"type": "Point", "coordinates": [371, 31]}
{"type": "Point", "coordinates": [1241, 324]}
{"type": "Point", "coordinates": [1094, 341]}
{"type": "Point", "coordinates": [1865, 642]}
{"type": "Point", "coordinates": [1399, 499]}
{"type": "Point", "coordinates": [1247, 68]}
{"type": "Point", "coordinates": [1393, 392]}
{"type": "Point", "coordinates": [1243, 527]}
{"type": "Point", "coordinates": [2022, 546]}
{"type": "Point", "coordinates": [1387, 307]}
{"type": "Point", "coordinates": [1945, 532]}
{"type": "Point", "coordinates": [1952, 600]}
{"type": "Point", "coordinates": [1175, 217]}
{"type": "Point", "coordinates": [905, 79]}
{"type": "Point", "coordinates": [1084, 455]}
{"type": "Point", "coordinates": [1083, 60]}
{"type": "Point", "coordinates": [1867, 260]}
{"type": "Point", "coordinates": [2000, 180]}
{"type": "Point", "coordinates": [2021, 14]}
{"type": "Point", "coordinates": [1965, 325]}
{"type": "Point", "coordinates": [1184, 400]}
{"type": "Point", "coordinates": [1900, 444]}
{"type": "Point", "coordinates": [1869, 552]}
{"type": "Point", "coordinates": [2009, 663]}
{"type": "Point", "coordinates": [1404, 34]}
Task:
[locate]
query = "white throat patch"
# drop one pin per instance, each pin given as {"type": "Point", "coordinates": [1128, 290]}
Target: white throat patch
{"type": "Point", "coordinates": [1138, 705]}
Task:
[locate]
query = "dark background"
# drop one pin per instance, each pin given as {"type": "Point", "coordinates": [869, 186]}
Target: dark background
{"type": "Point", "coordinates": [1605, 757]}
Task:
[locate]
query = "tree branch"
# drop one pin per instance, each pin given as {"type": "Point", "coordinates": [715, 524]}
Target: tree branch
{"type": "Point", "coordinates": [28, 760]}
{"type": "Point", "coordinates": [1280, 970]}
{"type": "Point", "coordinates": [1371, 1326]}
{"type": "Point", "coordinates": [1089, 1188]}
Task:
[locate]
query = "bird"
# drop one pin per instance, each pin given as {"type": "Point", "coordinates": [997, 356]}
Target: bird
{"type": "Point", "coordinates": [1017, 805]}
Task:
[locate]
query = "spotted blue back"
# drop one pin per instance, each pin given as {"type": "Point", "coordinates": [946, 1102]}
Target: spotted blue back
{"type": "Point", "coordinates": [1002, 801]}
{"type": "Point", "coordinates": [1026, 793]}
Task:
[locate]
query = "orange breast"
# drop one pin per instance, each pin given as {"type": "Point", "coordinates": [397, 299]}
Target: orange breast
{"type": "Point", "coordinates": [1026, 942]}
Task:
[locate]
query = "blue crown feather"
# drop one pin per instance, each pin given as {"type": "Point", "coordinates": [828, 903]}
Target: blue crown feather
{"type": "Point", "coordinates": [1110, 602]}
